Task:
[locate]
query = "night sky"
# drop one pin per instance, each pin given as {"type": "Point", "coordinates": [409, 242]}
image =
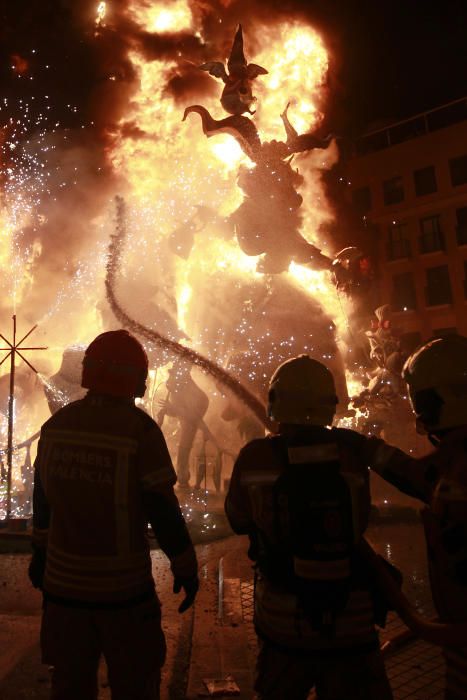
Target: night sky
{"type": "Point", "coordinates": [390, 59]}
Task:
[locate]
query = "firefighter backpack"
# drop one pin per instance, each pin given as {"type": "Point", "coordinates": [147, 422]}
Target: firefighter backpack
{"type": "Point", "coordinates": [317, 521]}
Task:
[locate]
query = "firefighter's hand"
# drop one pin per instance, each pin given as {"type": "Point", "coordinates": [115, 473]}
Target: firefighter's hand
{"type": "Point", "coordinates": [190, 586]}
{"type": "Point", "coordinates": [37, 567]}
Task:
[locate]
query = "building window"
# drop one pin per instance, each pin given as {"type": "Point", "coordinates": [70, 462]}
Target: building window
{"type": "Point", "coordinates": [393, 190]}
{"type": "Point", "coordinates": [438, 289]}
{"type": "Point", "coordinates": [431, 237]}
{"type": "Point", "coordinates": [398, 242]}
{"type": "Point", "coordinates": [403, 292]}
{"type": "Point", "coordinates": [461, 229]}
{"type": "Point", "coordinates": [425, 181]}
{"type": "Point", "coordinates": [458, 168]}
{"type": "Point", "coordinates": [361, 199]}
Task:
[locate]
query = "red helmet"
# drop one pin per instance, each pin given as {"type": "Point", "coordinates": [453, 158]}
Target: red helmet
{"type": "Point", "coordinates": [115, 363]}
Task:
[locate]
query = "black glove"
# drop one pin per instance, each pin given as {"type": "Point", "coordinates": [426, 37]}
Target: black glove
{"type": "Point", "coordinates": [37, 566]}
{"type": "Point", "coordinates": [190, 586]}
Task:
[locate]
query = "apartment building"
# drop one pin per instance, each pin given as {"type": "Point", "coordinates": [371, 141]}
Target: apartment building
{"type": "Point", "coordinates": [408, 183]}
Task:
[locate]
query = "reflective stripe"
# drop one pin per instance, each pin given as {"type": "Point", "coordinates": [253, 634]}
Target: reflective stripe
{"type": "Point", "coordinates": [322, 570]}
{"type": "Point", "coordinates": [60, 585]}
{"type": "Point", "coordinates": [259, 477]}
{"type": "Point", "coordinates": [312, 454]}
{"type": "Point", "coordinates": [96, 574]}
{"type": "Point", "coordinates": [83, 578]}
{"type": "Point", "coordinates": [278, 616]}
{"type": "Point", "coordinates": [112, 442]}
{"type": "Point", "coordinates": [72, 580]}
{"type": "Point", "coordinates": [98, 563]}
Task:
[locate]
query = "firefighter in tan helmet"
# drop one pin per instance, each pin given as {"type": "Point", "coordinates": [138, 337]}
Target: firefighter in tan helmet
{"type": "Point", "coordinates": [302, 495]}
{"type": "Point", "coordinates": [436, 375]}
{"type": "Point", "coordinates": [102, 473]}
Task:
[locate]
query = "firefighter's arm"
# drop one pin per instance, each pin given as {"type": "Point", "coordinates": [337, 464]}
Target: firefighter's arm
{"type": "Point", "coordinates": [169, 527]}
{"type": "Point", "coordinates": [414, 477]}
{"type": "Point", "coordinates": [165, 517]}
{"type": "Point", "coordinates": [237, 502]}
{"type": "Point", "coordinates": [40, 520]}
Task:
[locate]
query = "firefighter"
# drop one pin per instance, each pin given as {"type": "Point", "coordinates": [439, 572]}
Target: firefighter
{"type": "Point", "coordinates": [303, 498]}
{"type": "Point", "coordinates": [102, 473]}
{"type": "Point", "coordinates": [436, 375]}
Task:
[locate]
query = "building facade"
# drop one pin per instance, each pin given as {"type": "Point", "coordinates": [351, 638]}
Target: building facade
{"type": "Point", "coordinates": [408, 183]}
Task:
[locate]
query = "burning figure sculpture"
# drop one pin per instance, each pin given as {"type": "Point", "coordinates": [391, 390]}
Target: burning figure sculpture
{"type": "Point", "coordinates": [384, 397]}
{"type": "Point", "coordinates": [187, 402]}
{"type": "Point", "coordinates": [237, 96]}
{"type": "Point", "coordinates": [268, 221]}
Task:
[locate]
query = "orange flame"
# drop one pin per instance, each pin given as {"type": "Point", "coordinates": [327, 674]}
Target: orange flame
{"type": "Point", "coordinates": [174, 167]}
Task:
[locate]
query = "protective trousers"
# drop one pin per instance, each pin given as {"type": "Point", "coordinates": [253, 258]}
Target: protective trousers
{"type": "Point", "coordinates": [131, 641]}
{"type": "Point", "coordinates": [354, 676]}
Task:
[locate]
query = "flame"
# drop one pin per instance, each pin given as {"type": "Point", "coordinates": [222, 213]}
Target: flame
{"type": "Point", "coordinates": [169, 168]}
{"type": "Point", "coordinates": [184, 298]}
{"type": "Point", "coordinates": [172, 166]}
{"type": "Point", "coordinates": [228, 151]}
{"type": "Point", "coordinates": [354, 385]}
{"type": "Point", "coordinates": [297, 61]}
{"type": "Point", "coordinates": [101, 13]}
{"type": "Point", "coordinates": [163, 17]}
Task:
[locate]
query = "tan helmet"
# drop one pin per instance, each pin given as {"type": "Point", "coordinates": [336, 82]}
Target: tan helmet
{"type": "Point", "coordinates": [436, 375]}
{"type": "Point", "coordinates": [302, 392]}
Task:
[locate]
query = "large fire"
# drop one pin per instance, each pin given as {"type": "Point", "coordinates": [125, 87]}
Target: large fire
{"type": "Point", "coordinates": [168, 172]}
{"type": "Point", "coordinates": [172, 168]}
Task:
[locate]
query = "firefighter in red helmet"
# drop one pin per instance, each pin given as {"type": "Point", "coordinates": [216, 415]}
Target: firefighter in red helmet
{"type": "Point", "coordinates": [102, 473]}
{"type": "Point", "coordinates": [303, 498]}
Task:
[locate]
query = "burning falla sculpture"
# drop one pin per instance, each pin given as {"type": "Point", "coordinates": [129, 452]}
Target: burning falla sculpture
{"type": "Point", "coordinates": [268, 221]}
{"type": "Point", "coordinates": [384, 398]}
{"type": "Point", "coordinates": [237, 96]}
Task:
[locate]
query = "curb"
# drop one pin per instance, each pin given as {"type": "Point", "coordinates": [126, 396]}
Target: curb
{"type": "Point", "coordinates": [220, 650]}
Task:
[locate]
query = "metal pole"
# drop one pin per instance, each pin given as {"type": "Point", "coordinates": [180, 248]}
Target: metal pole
{"type": "Point", "coordinates": [11, 405]}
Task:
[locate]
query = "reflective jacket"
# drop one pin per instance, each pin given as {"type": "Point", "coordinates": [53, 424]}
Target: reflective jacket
{"type": "Point", "coordinates": [102, 473]}
{"type": "Point", "coordinates": [279, 614]}
{"type": "Point", "coordinates": [440, 480]}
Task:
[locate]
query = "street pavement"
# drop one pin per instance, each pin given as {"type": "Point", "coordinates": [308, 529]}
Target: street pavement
{"type": "Point", "coordinates": [214, 644]}
{"type": "Point", "coordinates": [415, 668]}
